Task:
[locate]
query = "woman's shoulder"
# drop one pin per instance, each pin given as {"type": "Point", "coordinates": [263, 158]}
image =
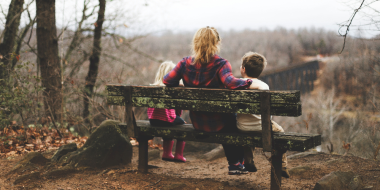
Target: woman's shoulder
{"type": "Point", "coordinates": [220, 61]}
{"type": "Point", "coordinates": [186, 60]}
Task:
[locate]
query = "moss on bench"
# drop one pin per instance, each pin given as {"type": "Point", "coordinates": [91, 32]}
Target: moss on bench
{"type": "Point", "coordinates": [284, 141]}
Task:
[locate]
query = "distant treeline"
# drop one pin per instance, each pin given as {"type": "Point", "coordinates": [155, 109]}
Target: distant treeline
{"type": "Point", "coordinates": [281, 47]}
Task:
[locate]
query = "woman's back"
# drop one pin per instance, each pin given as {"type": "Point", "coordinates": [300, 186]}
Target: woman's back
{"type": "Point", "coordinates": [216, 74]}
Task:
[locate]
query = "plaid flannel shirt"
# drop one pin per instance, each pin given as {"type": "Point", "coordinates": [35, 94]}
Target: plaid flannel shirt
{"type": "Point", "coordinates": [216, 74]}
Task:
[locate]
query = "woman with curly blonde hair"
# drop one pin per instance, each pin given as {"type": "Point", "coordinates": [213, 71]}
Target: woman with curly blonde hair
{"type": "Point", "coordinates": [206, 69]}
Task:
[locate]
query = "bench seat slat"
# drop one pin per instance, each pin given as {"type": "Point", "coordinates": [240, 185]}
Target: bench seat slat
{"type": "Point", "coordinates": [285, 141]}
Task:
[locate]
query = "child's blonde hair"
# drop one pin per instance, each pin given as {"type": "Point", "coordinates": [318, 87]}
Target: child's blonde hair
{"type": "Point", "coordinates": [164, 69]}
{"type": "Point", "coordinates": [205, 44]}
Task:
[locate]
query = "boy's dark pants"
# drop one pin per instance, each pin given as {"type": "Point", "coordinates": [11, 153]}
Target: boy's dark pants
{"type": "Point", "coordinates": [234, 154]}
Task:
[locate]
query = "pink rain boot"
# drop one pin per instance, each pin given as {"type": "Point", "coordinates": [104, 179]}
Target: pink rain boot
{"type": "Point", "coordinates": [179, 152]}
{"type": "Point", "coordinates": [167, 154]}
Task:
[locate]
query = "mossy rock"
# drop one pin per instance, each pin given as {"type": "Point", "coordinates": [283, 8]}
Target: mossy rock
{"type": "Point", "coordinates": [64, 171]}
{"type": "Point", "coordinates": [63, 150]}
{"type": "Point", "coordinates": [107, 146]}
{"type": "Point", "coordinates": [339, 180]}
{"type": "Point", "coordinates": [27, 178]}
{"type": "Point", "coordinates": [30, 161]}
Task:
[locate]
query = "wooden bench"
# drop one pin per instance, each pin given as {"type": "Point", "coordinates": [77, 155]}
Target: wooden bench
{"type": "Point", "coordinates": [266, 103]}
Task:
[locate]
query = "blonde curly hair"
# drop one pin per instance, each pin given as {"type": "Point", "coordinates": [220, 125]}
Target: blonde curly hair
{"type": "Point", "coordinates": [164, 69]}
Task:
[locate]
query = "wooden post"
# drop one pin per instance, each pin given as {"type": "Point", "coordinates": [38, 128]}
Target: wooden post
{"type": "Point", "coordinates": [143, 154]}
{"type": "Point", "coordinates": [297, 79]}
{"type": "Point", "coordinates": [129, 116]}
{"type": "Point", "coordinates": [307, 80]}
{"type": "Point", "coordinates": [131, 125]}
{"type": "Point", "coordinates": [283, 80]}
{"type": "Point", "coordinates": [312, 79]}
{"type": "Point", "coordinates": [275, 181]}
{"type": "Point", "coordinates": [302, 81]}
{"type": "Point", "coordinates": [267, 134]}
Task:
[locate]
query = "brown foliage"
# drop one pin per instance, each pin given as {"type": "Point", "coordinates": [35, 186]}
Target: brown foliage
{"type": "Point", "coordinates": [18, 140]}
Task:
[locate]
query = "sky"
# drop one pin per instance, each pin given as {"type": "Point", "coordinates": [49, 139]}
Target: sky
{"type": "Point", "coordinates": [251, 14]}
{"type": "Point", "coordinates": [190, 15]}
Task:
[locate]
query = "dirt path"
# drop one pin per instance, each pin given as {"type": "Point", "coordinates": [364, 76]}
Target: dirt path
{"type": "Point", "coordinates": [197, 174]}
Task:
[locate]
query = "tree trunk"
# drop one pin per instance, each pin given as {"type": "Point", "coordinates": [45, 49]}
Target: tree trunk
{"type": "Point", "coordinates": [47, 46]}
{"type": "Point", "coordinates": [10, 34]}
{"type": "Point", "coordinates": [94, 61]}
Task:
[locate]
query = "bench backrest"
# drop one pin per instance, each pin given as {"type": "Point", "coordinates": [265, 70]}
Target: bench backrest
{"type": "Point", "coordinates": [282, 103]}
{"type": "Point", "coordinates": [266, 103]}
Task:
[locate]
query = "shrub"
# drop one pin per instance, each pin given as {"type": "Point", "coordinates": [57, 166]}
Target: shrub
{"type": "Point", "coordinates": [19, 96]}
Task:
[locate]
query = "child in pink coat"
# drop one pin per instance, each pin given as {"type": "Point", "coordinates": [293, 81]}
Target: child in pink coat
{"type": "Point", "coordinates": [167, 117]}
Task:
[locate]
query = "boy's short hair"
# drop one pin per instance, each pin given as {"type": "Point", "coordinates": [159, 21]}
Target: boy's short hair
{"type": "Point", "coordinates": [254, 64]}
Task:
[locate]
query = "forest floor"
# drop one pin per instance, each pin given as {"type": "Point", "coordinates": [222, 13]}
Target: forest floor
{"type": "Point", "coordinates": [197, 174]}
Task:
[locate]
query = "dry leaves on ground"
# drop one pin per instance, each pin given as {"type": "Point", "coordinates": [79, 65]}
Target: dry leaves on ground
{"type": "Point", "coordinates": [17, 140]}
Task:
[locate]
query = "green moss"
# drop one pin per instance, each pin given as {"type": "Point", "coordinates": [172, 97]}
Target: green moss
{"type": "Point", "coordinates": [290, 143]}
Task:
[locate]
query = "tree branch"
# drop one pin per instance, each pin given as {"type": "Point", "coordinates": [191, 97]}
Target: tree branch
{"type": "Point", "coordinates": [348, 26]}
{"type": "Point", "coordinates": [21, 38]}
{"type": "Point", "coordinates": [120, 60]}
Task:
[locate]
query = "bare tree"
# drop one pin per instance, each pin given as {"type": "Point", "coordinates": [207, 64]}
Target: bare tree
{"type": "Point", "coordinates": [94, 60]}
{"type": "Point", "coordinates": [47, 46]}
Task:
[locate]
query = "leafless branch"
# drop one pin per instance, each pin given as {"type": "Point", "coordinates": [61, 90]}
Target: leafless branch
{"type": "Point", "coordinates": [348, 26]}
{"type": "Point", "coordinates": [32, 49]}
{"type": "Point", "coordinates": [53, 120]}
{"type": "Point", "coordinates": [78, 64]}
{"type": "Point", "coordinates": [76, 40]}
{"type": "Point", "coordinates": [31, 31]}
{"type": "Point", "coordinates": [127, 42]}
{"type": "Point", "coordinates": [2, 11]}
{"type": "Point", "coordinates": [23, 34]}
{"type": "Point", "coordinates": [121, 61]}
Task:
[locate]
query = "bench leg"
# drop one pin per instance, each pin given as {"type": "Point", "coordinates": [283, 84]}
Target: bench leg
{"type": "Point", "coordinates": [276, 170]}
{"type": "Point", "coordinates": [143, 155]}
